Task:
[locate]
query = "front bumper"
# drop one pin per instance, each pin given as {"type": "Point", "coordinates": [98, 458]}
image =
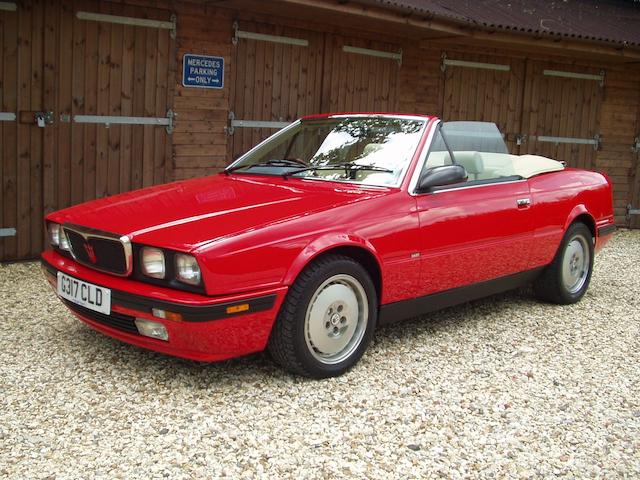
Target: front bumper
{"type": "Point", "coordinates": [207, 331]}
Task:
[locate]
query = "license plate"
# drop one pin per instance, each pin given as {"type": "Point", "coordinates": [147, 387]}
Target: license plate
{"type": "Point", "coordinates": [86, 294]}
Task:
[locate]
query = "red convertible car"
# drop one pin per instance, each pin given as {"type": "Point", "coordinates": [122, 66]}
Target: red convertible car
{"type": "Point", "coordinates": [332, 226]}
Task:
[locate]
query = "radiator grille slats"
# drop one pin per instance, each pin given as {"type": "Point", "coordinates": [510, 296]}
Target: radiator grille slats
{"type": "Point", "coordinates": [97, 252]}
{"type": "Point", "coordinates": [116, 320]}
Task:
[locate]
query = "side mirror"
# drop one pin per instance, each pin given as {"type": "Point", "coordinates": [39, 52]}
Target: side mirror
{"type": "Point", "coordinates": [440, 176]}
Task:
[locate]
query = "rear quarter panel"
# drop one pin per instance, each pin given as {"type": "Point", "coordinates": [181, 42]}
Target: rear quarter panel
{"type": "Point", "coordinates": [558, 198]}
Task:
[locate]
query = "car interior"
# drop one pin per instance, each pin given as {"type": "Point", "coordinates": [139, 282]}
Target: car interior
{"type": "Point", "coordinates": [479, 147]}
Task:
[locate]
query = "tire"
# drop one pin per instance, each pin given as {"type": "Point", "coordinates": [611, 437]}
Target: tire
{"type": "Point", "coordinates": [567, 278]}
{"type": "Point", "coordinates": [327, 319]}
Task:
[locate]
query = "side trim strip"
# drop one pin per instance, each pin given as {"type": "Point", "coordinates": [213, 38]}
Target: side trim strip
{"type": "Point", "coordinates": [189, 313]}
{"type": "Point", "coordinates": [606, 230]}
{"type": "Point", "coordinates": [393, 312]}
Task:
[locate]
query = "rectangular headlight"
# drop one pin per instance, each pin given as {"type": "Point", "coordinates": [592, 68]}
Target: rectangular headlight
{"type": "Point", "coordinates": [54, 234]}
{"type": "Point", "coordinates": [61, 237]}
{"type": "Point", "coordinates": [187, 269]}
{"type": "Point", "coordinates": [152, 262]}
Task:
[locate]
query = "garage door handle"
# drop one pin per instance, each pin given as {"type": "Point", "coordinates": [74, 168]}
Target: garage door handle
{"type": "Point", "coordinates": [523, 202]}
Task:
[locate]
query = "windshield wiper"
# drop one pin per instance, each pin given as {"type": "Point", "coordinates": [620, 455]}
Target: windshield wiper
{"type": "Point", "coordinates": [284, 162]}
{"type": "Point", "coordinates": [337, 166]}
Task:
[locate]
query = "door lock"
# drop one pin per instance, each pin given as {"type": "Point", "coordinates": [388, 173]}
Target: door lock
{"type": "Point", "coordinates": [44, 118]}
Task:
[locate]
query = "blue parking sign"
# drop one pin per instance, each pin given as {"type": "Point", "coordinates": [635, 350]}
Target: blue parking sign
{"type": "Point", "coordinates": [202, 71]}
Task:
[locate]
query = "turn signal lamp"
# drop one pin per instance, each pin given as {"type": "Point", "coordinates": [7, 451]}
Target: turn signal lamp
{"type": "Point", "coordinates": [242, 307]}
{"type": "Point", "coordinates": [166, 315]}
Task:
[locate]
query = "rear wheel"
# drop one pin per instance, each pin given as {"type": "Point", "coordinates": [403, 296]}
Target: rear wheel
{"type": "Point", "coordinates": [566, 280]}
{"type": "Point", "coordinates": [327, 319]}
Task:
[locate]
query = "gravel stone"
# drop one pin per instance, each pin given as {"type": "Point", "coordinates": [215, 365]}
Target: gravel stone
{"type": "Point", "coordinates": [504, 387]}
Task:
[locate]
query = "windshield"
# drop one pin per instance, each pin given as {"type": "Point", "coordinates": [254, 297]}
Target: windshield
{"type": "Point", "coordinates": [368, 150]}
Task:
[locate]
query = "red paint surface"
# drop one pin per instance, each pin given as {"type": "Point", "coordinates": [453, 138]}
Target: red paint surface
{"type": "Point", "coordinates": [253, 234]}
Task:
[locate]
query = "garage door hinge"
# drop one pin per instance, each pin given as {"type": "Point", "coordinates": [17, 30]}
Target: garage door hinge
{"type": "Point", "coordinates": [374, 53]}
{"type": "Point", "coordinates": [635, 148]}
{"type": "Point", "coordinates": [108, 120]}
{"type": "Point", "coordinates": [577, 76]}
{"type": "Point", "coordinates": [632, 211]}
{"type": "Point", "coordinates": [7, 117]}
{"type": "Point", "coordinates": [464, 63]}
{"type": "Point", "coordinates": [234, 123]}
{"type": "Point", "coordinates": [263, 37]}
{"type": "Point", "coordinates": [8, 6]}
{"type": "Point", "coordinates": [596, 140]}
{"type": "Point", "coordinates": [133, 21]}
{"type": "Point", "coordinates": [7, 232]}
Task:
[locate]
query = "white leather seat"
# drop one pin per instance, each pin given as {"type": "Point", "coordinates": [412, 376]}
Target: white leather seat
{"type": "Point", "coordinates": [472, 162]}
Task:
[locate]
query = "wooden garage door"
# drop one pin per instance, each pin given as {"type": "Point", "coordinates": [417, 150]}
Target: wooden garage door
{"type": "Point", "coordinates": [78, 69]}
{"type": "Point", "coordinates": [484, 88]}
{"type": "Point", "coordinates": [357, 78]}
{"type": "Point", "coordinates": [23, 80]}
{"type": "Point", "coordinates": [560, 112]}
{"type": "Point", "coordinates": [277, 78]}
{"type": "Point", "coordinates": [283, 73]}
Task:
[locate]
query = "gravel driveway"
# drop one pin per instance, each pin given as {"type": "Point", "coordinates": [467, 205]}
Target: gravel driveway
{"type": "Point", "coordinates": [499, 387]}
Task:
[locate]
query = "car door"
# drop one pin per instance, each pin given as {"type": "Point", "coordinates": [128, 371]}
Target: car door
{"type": "Point", "coordinates": [474, 231]}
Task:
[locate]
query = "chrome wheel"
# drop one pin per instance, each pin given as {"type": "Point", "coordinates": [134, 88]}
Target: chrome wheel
{"type": "Point", "coordinates": [336, 319]}
{"type": "Point", "coordinates": [575, 264]}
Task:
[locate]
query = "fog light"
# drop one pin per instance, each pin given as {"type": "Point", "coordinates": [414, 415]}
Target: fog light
{"type": "Point", "coordinates": [152, 329]}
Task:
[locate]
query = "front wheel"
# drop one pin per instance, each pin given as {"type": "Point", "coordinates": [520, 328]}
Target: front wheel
{"type": "Point", "coordinates": [566, 280]}
{"type": "Point", "coordinates": [327, 320]}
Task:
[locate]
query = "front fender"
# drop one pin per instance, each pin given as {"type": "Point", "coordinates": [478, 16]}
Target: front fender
{"type": "Point", "coordinates": [324, 244]}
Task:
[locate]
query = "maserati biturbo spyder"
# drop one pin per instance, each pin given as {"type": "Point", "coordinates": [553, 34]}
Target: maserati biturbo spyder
{"type": "Point", "coordinates": [330, 227]}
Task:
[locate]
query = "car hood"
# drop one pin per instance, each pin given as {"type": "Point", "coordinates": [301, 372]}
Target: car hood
{"type": "Point", "coordinates": [189, 214]}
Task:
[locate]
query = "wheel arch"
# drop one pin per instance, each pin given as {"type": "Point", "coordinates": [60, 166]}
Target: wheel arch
{"type": "Point", "coordinates": [582, 215]}
{"type": "Point", "coordinates": [358, 249]}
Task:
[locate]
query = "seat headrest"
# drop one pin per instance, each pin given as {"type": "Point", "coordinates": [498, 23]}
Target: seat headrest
{"type": "Point", "coordinates": [370, 148]}
{"type": "Point", "coordinates": [471, 161]}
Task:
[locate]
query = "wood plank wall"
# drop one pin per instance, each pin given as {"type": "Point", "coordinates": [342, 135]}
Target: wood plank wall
{"type": "Point", "coordinates": [274, 81]}
{"type": "Point", "coordinates": [8, 130]}
{"type": "Point", "coordinates": [619, 126]}
{"type": "Point", "coordinates": [199, 141]}
{"type": "Point", "coordinates": [550, 106]}
{"type": "Point", "coordinates": [50, 60]}
{"type": "Point", "coordinates": [53, 61]}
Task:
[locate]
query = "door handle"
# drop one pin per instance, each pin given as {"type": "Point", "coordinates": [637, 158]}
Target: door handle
{"type": "Point", "coordinates": [523, 202]}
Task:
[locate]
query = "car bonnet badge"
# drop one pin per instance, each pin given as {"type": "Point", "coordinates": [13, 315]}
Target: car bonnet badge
{"type": "Point", "coordinates": [90, 253]}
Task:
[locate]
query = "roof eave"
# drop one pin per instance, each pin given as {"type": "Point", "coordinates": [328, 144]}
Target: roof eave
{"type": "Point", "coordinates": [453, 30]}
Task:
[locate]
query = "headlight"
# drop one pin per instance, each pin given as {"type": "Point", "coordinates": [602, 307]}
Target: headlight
{"type": "Point", "coordinates": [64, 241]}
{"type": "Point", "coordinates": [54, 234]}
{"type": "Point", "coordinates": [57, 237]}
{"type": "Point", "coordinates": [187, 269]}
{"type": "Point", "coordinates": [152, 262]}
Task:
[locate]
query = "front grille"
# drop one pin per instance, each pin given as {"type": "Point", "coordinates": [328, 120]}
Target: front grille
{"type": "Point", "coordinates": [98, 252]}
{"type": "Point", "coordinates": [116, 320]}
